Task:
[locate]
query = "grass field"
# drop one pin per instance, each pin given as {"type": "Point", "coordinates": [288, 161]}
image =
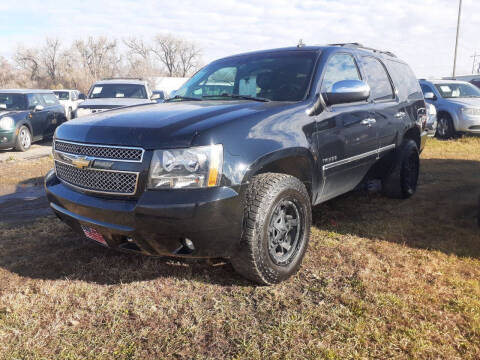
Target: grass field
{"type": "Point", "coordinates": [382, 279]}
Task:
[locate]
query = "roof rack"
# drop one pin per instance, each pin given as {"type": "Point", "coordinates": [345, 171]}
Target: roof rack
{"type": "Point", "coordinates": [360, 46]}
{"type": "Point", "coordinates": [123, 78]}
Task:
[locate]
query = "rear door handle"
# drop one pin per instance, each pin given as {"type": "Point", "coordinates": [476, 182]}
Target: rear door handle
{"type": "Point", "coordinates": [369, 122]}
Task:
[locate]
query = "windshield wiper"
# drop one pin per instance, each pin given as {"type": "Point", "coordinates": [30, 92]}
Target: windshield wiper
{"type": "Point", "coordinates": [186, 98]}
{"type": "Point", "coordinates": [243, 97]}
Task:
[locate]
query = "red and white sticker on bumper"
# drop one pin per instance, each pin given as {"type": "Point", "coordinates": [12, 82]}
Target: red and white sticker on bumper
{"type": "Point", "coordinates": [94, 235]}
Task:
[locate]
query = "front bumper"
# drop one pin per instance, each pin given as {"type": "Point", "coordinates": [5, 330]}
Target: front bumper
{"type": "Point", "coordinates": [7, 139]}
{"type": "Point", "coordinates": [158, 222]}
{"type": "Point", "coordinates": [469, 124]}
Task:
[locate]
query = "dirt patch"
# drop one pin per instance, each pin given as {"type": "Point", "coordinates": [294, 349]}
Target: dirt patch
{"type": "Point", "coordinates": [382, 279]}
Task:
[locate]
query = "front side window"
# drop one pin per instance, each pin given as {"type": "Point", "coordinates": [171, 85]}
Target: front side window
{"type": "Point", "coordinates": [283, 76]}
{"type": "Point", "coordinates": [130, 91]}
{"type": "Point", "coordinates": [12, 102]}
{"type": "Point", "coordinates": [33, 100]}
{"type": "Point", "coordinates": [339, 67]}
{"type": "Point", "coordinates": [458, 90]}
{"type": "Point", "coordinates": [378, 80]}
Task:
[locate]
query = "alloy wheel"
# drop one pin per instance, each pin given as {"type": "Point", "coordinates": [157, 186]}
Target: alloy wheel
{"type": "Point", "coordinates": [284, 232]}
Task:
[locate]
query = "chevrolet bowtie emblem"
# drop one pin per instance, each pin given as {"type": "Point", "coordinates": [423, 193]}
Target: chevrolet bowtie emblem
{"type": "Point", "coordinates": [81, 162]}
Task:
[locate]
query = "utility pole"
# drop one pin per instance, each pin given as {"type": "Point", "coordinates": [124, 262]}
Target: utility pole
{"type": "Point", "coordinates": [474, 56]}
{"type": "Point", "coordinates": [456, 40]}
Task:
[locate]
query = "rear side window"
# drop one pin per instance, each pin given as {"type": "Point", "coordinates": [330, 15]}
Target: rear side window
{"type": "Point", "coordinates": [339, 67]}
{"type": "Point", "coordinates": [50, 99]}
{"type": "Point", "coordinates": [405, 80]}
{"type": "Point", "coordinates": [377, 77]}
{"type": "Point", "coordinates": [426, 89]}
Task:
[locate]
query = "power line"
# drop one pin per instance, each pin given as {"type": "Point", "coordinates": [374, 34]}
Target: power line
{"type": "Point", "coordinates": [474, 56]}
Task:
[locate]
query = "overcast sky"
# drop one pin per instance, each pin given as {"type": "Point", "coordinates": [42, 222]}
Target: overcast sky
{"type": "Point", "coordinates": [422, 32]}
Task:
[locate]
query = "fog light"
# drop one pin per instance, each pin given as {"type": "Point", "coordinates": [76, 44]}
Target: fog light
{"type": "Point", "coordinates": [188, 243]}
{"type": "Point", "coordinates": [3, 139]}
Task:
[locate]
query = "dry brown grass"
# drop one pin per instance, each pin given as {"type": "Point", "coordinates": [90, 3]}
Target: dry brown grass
{"type": "Point", "coordinates": [382, 279]}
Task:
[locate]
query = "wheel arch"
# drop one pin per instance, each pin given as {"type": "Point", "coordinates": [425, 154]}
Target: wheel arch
{"type": "Point", "coordinates": [414, 134]}
{"type": "Point", "coordinates": [297, 162]}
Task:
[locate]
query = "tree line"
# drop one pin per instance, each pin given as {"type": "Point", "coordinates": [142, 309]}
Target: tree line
{"type": "Point", "coordinates": [56, 65]}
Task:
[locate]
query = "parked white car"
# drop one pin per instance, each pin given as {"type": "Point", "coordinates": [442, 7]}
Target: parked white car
{"type": "Point", "coordinates": [70, 99]}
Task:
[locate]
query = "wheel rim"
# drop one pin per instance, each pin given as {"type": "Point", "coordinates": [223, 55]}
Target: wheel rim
{"type": "Point", "coordinates": [284, 232]}
{"type": "Point", "coordinates": [442, 126]}
{"type": "Point", "coordinates": [25, 138]}
{"type": "Point", "coordinates": [411, 173]}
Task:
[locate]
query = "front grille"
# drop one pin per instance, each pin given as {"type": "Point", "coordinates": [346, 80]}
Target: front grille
{"type": "Point", "coordinates": [99, 151]}
{"type": "Point", "coordinates": [110, 182]}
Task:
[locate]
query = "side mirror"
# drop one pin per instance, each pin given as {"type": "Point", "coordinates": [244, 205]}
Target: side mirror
{"type": "Point", "coordinates": [347, 91]}
{"type": "Point", "coordinates": [38, 108]}
{"type": "Point", "coordinates": [429, 96]}
{"type": "Point", "coordinates": [82, 97]}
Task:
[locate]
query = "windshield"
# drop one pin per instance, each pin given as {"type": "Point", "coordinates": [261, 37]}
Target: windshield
{"type": "Point", "coordinates": [132, 91]}
{"type": "Point", "coordinates": [61, 95]}
{"type": "Point", "coordinates": [273, 76]}
{"type": "Point", "coordinates": [12, 102]}
{"type": "Point", "coordinates": [457, 90]}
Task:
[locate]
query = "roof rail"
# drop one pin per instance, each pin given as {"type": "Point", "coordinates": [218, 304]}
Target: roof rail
{"type": "Point", "coordinates": [360, 46]}
{"type": "Point", "coordinates": [123, 78]}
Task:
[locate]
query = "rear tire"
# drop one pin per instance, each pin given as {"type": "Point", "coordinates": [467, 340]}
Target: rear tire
{"type": "Point", "coordinates": [24, 139]}
{"type": "Point", "coordinates": [401, 181]}
{"type": "Point", "coordinates": [276, 229]}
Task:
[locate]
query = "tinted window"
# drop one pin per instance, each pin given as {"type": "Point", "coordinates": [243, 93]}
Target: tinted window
{"type": "Point", "coordinates": [405, 80]}
{"type": "Point", "coordinates": [61, 95]}
{"type": "Point", "coordinates": [458, 90]}
{"type": "Point", "coordinates": [275, 76]}
{"type": "Point", "coordinates": [339, 67]}
{"type": "Point", "coordinates": [132, 91]}
{"type": "Point", "coordinates": [50, 99]}
{"type": "Point", "coordinates": [377, 77]}
{"type": "Point", "coordinates": [12, 102]}
{"type": "Point", "coordinates": [33, 100]}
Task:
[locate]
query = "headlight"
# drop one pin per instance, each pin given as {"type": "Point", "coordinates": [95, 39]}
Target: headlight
{"type": "Point", "coordinates": [7, 123]}
{"type": "Point", "coordinates": [195, 167]}
{"type": "Point", "coordinates": [471, 111]}
{"type": "Point", "coordinates": [83, 112]}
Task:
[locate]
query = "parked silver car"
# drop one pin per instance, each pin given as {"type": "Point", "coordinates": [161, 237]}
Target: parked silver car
{"type": "Point", "coordinates": [457, 104]}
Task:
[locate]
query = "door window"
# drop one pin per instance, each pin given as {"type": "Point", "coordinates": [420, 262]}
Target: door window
{"type": "Point", "coordinates": [377, 77]}
{"type": "Point", "coordinates": [33, 100]}
{"type": "Point", "coordinates": [339, 67]}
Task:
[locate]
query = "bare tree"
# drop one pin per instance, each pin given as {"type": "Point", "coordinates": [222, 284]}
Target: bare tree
{"type": "Point", "coordinates": [50, 57]}
{"type": "Point", "coordinates": [99, 57]}
{"type": "Point", "coordinates": [28, 60]}
{"type": "Point", "coordinates": [6, 73]}
{"type": "Point", "coordinates": [189, 57]}
{"type": "Point", "coordinates": [166, 50]}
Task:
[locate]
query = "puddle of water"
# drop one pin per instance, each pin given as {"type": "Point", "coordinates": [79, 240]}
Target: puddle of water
{"type": "Point", "coordinates": [25, 192]}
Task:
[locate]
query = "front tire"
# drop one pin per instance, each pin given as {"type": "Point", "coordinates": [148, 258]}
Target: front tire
{"type": "Point", "coordinates": [401, 181]}
{"type": "Point", "coordinates": [445, 128]}
{"type": "Point", "coordinates": [276, 230]}
{"type": "Point", "coordinates": [24, 139]}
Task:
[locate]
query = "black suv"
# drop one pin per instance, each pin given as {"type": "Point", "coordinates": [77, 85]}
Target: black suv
{"type": "Point", "coordinates": [231, 166]}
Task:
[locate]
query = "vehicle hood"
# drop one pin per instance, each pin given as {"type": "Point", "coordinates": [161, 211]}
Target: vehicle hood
{"type": "Point", "coordinates": [13, 114]}
{"type": "Point", "coordinates": [156, 126]}
{"type": "Point", "coordinates": [112, 102]}
{"type": "Point", "coordinates": [467, 102]}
